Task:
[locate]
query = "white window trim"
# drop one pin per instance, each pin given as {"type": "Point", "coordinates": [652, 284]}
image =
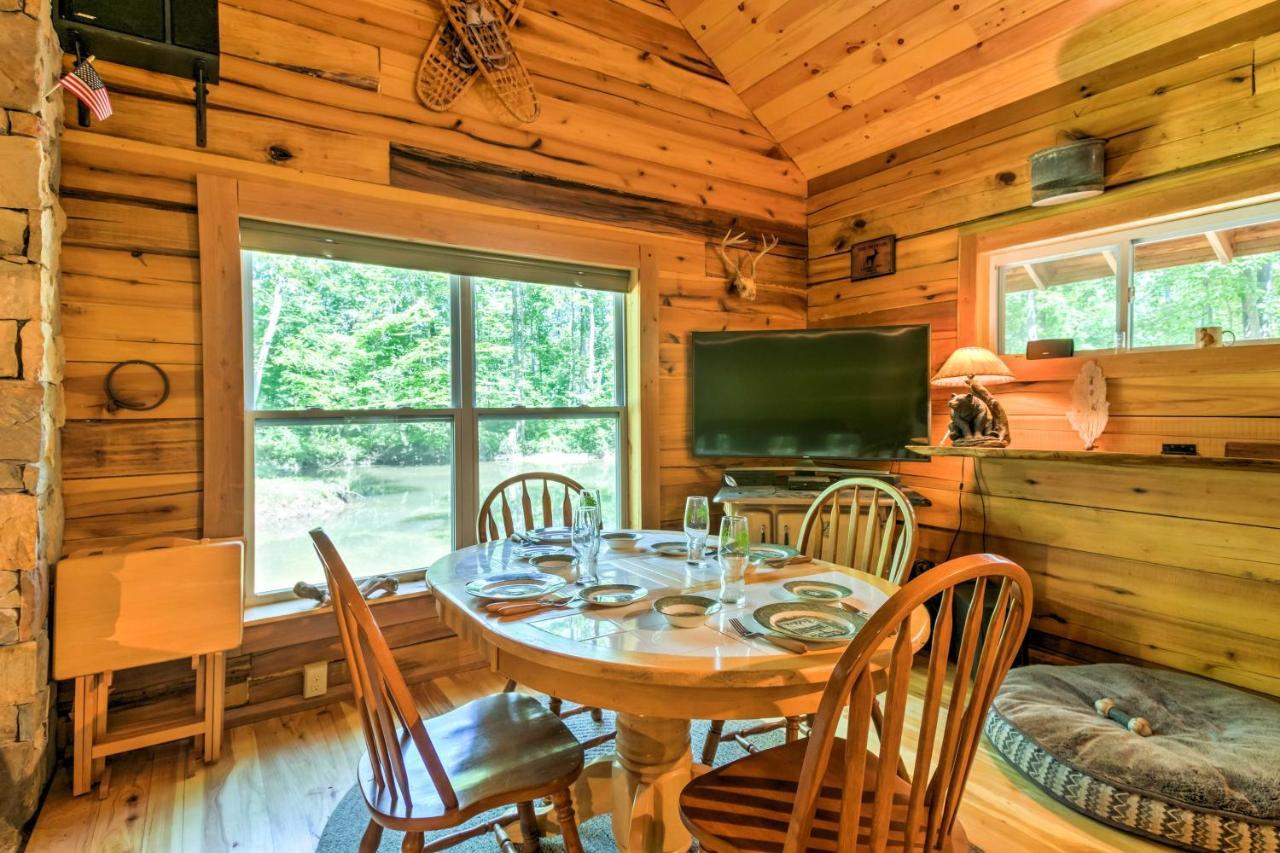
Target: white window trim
{"type": "Point", "coordinates": [463, 414]}
{"type": "Point", "coordinates": [1121, 240]}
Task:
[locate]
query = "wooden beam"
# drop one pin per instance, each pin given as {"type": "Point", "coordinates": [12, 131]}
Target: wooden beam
{"type": "Point", "coordinates": [1220, 242]}
{"type": "Point", "coordinates": [221, 321]}
{"type": "Point", "coordinates": [1030, 270]}
{"type": "Point", "coordinates": [1110, 258]}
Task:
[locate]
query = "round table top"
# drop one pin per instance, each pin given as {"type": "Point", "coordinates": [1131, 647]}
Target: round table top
{"type": "Point", "coordinates": [629, 658]}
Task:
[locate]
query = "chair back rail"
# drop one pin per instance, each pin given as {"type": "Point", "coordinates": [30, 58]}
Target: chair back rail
{"type": "Point", "coordinates": [384, 704]}
{"type": "Point", "coordinates": [496, 519]}
{"type": "Point", "coordinates": [942, 764]}
{"type": "Point", "coordinates": [878, 537]}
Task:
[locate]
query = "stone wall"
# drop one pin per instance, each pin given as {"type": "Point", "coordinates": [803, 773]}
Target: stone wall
{"type": "Point", "coordinates": [30, 401]}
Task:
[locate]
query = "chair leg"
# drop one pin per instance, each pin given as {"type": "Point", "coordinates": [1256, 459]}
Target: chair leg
{"type": "Point", "coordinates": [597, 715]}
{"type": "Point", "coordinates": [568, 823]}
{"type": "Point", "coordinates": [712, 744]}
{"type": "Point", "coordinates": [877, 720]}
{"type": "Point", "coordinates": [792, 729]}
{"type": "Point", "coordinates": [413, 843]}
{"type": "Point", "coordinates": [528, 827]}
{"type": "Point", "coordinates": [511, 686]}
{"type": "Point", "coordinates": [555, 705]}
{"type": "Point", "coordinates": [372, 838]}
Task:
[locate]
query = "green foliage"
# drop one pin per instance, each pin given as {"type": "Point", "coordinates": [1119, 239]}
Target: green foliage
{"type": "Point", "coordinates": [1168, 304]}
{"type": "Point", "coordinates": [336, 335]}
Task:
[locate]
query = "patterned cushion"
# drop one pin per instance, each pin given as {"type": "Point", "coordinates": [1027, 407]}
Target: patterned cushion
{"type": "Point", "coordinates": [1208, 779]}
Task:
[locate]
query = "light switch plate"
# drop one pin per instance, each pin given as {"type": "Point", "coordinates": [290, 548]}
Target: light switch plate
{"type": "Point", "coordinates": [315, 679]}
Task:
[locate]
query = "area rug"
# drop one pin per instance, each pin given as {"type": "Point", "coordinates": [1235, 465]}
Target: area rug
{"type": "Point", "coordinates": [347, 823]}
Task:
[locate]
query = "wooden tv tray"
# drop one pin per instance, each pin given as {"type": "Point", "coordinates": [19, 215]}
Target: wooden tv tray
{"type": "Point", "coordinates": [150, 602]}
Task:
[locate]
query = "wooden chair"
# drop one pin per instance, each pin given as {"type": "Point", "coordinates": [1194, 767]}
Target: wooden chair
{"type": "Point", "coordinates": [425, 775]}
{"type": "Point", "coordinates": [827, 793]}
{"type": "Point", "coordinates": [497, 520]}
{"type": "Point", "coordinates": [878, 536]}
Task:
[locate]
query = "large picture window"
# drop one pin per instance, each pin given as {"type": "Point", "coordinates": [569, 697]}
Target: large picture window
{"type": "Point", "coordinates": [392, 386]}
{"type": "Point", "coordinates": [1145, 288]}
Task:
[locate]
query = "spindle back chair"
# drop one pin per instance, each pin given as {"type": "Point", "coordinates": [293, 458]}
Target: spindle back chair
{"type": "Point", "coordinates": [400, 745]}
{"type": "Point", "coordinates": [877, 536]}
{"type": "Point", "coordinates": [848, 798]}
{"type": "Point", "coordinates": [497, 518]}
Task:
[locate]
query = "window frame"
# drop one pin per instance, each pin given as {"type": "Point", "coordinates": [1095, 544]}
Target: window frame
{"type": "Point", "coordinates": [463, 414]}
{"type": "Point", "coordinates": [1123, 240]}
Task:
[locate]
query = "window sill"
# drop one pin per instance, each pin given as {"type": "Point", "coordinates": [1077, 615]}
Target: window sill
{"type": "Point", "coordinates": [297, 608]}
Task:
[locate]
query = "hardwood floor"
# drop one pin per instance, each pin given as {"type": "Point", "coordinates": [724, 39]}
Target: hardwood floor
{"type": "Point", "coordinates": [279, 779]}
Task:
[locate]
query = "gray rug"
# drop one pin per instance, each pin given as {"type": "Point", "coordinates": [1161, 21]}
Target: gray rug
{"type": "Point", "coordinates": [350, 817]}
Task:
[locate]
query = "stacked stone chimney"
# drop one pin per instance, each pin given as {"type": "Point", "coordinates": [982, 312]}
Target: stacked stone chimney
{"type": "Point", "coordinates": [30, 401]}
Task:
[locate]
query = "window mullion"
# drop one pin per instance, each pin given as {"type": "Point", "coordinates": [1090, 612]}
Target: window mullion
{"type": "Point", "coordinates": [1124, 295]}
{"type": "Point", "coordinates": [466, 456]}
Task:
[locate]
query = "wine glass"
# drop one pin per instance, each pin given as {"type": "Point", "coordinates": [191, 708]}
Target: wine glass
{"type": "Point", "coordinates": [734, 554]}
{"type": "Point", "coordinates": [697, 524]}
{"type": "Point", "coordinates": [585, 535]}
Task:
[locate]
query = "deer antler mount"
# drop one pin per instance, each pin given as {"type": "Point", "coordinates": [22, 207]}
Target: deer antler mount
{"type": "Point", "coordinates": [741, 271]}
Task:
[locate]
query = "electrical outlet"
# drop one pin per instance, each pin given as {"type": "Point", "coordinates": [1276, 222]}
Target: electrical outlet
{"type": "Point", "coordinates": [1178, 449]}
{"type": "Point", "coordinates": [315, 679]}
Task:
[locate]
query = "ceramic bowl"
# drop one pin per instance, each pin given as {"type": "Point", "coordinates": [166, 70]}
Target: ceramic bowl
{"type": "Point", "coordinates": [557, 564]}
{"type": "Point", "coordinates": [621, 540]}
{"type": "Point", "coordinates": [686, 611]}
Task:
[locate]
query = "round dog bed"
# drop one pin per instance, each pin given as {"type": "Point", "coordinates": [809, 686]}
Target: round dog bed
{"type": "Point", "coordinates": [1208, 778]}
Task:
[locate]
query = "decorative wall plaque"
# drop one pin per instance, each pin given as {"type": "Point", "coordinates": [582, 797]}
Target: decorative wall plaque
{"type": "Point", "coordinates": [873, 258]}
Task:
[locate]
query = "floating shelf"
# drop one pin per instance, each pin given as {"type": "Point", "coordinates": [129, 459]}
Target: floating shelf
{"type": "Point", "coordinates": [1103, 457]}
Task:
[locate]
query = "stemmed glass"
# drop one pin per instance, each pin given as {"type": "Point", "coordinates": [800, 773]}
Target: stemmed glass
{"type": "Point", "coordinates": [697, 524]}
{"type": "Point", "coordinates": [585, 535]}
{"type": "Point", "coordinates": [734, 554]}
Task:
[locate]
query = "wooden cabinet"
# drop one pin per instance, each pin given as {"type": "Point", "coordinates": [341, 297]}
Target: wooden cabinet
{"type": "Point", "coordinates": [774, 515]}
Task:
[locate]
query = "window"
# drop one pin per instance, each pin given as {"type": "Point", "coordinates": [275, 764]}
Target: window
{"type": "Point", "coordinates": [392, 386]}
{"type": "Point", "coordinates": [1143, 288]}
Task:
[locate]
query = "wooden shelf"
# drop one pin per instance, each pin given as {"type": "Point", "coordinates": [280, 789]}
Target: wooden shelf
{"type": "Point", "coordinates": [1102, 457]}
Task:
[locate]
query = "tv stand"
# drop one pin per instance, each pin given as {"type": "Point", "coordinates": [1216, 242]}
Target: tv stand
{"type": "Point", "coordinates": [775, 500]}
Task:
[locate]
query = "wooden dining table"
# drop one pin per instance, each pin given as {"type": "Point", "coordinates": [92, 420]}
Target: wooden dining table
{"type": "Point", "coordinates": [656, 677]}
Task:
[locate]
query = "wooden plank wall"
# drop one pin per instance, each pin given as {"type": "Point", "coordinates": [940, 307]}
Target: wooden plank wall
{"type": "Point", "coordinates": [320, 92]}
{"type": "Point", "coordinates": [1163, 565]}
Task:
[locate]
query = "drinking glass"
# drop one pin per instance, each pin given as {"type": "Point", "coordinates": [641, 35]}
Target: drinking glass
{"type": "Point", "coordinates": [734, 554]}
{"type": "Point", "coordinates": [697, 524]}
{"type": "Point", "coordinates": [591, 498]}
{"type": "Point", "coordinates": [585, 535]}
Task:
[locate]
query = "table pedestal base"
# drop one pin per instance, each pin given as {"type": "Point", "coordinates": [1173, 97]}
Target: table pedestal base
{"type": "Point", "coordinates": [650, 769]}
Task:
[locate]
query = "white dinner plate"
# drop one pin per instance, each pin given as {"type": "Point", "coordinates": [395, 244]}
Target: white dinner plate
{"type": "Point", "coordinates": [613, 594]}
{"type": "Point", "coordinates": [809, 621]}
{"type": "Point", "coordinates": [514, 586]}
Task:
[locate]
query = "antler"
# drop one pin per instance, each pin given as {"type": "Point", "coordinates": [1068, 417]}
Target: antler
{"type": "Point", "coordinates": [767, 245]}
{"type": "Point", "coordinates": [730, 241]}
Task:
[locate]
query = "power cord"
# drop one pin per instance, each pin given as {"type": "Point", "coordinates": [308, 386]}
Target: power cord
{"type": "Point", "coordinates": [959, 509]}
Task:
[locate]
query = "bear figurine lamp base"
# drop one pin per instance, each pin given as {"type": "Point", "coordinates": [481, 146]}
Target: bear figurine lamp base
{"type": "Point", "coordinates": [977, 418]}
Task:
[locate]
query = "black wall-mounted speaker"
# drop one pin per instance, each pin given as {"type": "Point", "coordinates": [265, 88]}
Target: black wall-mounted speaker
{"type": "Point", "coordinates": [168, 36]}
{"type": "Point", "coordinates": [1051, 348]}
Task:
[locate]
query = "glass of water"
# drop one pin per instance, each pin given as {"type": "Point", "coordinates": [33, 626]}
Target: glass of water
{"type": "Point", "coordinates": [697, 524]}
{"type": "Point", "coordinates": [734, 554]}
{"type": "Point", "coordinates": [585, 535]}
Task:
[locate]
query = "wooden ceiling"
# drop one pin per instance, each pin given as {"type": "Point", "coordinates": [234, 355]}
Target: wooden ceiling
{"type": "Point", "coordinates": [839, 81]}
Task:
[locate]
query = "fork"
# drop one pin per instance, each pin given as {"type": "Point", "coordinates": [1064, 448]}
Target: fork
{"type": "Point", "coordinates": [746, 633]}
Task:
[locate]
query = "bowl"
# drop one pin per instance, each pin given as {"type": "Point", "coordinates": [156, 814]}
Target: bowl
{"type": "Point", "coordinates": [686, 611]}
{"type": "Point", "coordinates": [557, 564]}
{"type": "Point", "coordinates": [621, 540]}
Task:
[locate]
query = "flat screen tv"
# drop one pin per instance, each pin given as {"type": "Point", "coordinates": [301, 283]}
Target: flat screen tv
{"type": "Point", "coordinates": [823, 393]}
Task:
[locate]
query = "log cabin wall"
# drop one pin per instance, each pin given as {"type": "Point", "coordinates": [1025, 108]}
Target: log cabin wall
{"type": "Point", "coordinates": [321, 93]}
{"type": "Point", "coordinates": [1169, 566]}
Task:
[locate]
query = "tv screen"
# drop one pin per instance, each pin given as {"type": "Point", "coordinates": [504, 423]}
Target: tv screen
{"type": "Point", "coordinates": [837, 393]}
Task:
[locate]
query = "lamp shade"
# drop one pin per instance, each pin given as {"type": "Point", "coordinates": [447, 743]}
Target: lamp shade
{"type": "Point", "coordinates": [969, 363]}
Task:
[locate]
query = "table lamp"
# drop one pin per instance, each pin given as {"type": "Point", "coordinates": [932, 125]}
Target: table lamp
{"type": "Point", "coordinates": [977, 418]}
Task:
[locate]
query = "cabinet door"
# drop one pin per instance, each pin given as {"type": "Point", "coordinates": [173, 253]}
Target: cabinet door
{"type": "Point", "coordinates": [759, 523]}
{"type": "Point", "coordinates": [789, 521]}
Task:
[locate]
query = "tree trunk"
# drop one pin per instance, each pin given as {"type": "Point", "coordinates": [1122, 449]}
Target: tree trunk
{"type": "Point", "coordinates": [268, 335]}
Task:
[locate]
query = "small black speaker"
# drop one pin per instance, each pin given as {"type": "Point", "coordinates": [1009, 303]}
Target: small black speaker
{"type": "Point", "coordinates": [169, 36]}
{"type": "Point", "coordinates": [1051, 348]}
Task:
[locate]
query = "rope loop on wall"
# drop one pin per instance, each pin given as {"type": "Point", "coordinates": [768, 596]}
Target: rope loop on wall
{"type": "Point", "coordinates": [114, 403]}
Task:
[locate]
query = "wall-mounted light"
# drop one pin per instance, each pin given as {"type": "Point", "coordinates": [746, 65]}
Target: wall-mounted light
{"type": "Point", "coordinates": [1068, 172]}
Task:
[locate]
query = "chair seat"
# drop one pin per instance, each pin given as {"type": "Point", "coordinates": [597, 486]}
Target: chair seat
{"type": "Point", "coordinates": [746, 805]}
{"type": "Point", "coordinates": [496, 751]}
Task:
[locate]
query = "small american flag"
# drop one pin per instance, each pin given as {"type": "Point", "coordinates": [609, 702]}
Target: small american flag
{"type": "Point", "coordinates": [87, 86]}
